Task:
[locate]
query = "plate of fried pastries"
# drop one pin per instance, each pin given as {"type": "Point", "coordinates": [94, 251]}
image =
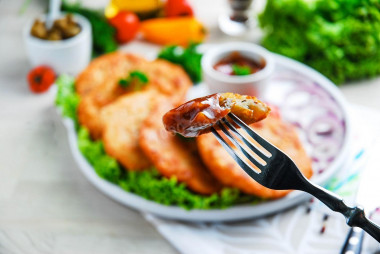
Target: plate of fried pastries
{"type": "Point", "coordinates": [120, 143]}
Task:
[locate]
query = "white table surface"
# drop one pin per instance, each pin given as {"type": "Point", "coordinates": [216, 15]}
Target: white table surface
{"type": "Point", "coordinates": [46, 205]}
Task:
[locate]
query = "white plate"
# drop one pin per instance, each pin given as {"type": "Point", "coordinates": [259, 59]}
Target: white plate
{"type": "Point", "coordinates": [289, 75]}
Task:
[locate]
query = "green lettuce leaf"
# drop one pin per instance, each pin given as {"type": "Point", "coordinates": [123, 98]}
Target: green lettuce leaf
{"type": "Point", "coordinates": [339, 38]}
{"type": "Point", "coordinates": [189, 58]}
{"type": "Point", "coordinates": [66, 99]}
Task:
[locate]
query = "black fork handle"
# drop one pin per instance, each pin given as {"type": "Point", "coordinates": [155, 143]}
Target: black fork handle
{"type": "Point", "coordinates": [354, 241]}
{"type": "Point", "coordinates": [355, 216]}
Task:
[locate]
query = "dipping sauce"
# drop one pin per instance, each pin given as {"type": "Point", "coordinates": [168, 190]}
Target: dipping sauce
{"type": "Point", "coordinates": [237, 65]}
{"type": "Point", "coordinates": [198, 116]}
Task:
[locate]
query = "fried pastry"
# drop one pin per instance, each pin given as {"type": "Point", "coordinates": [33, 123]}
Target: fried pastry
{"type": "Point", "coordinates": [122, 121]}
{"type": "Point", "coordinates": [99, 86]}
{"type": "Point", "coordinates": [175, 156]}
{"type": "Point", "coordinates": [227, 171]}
{"type": "Point", "coordinates": [106, 68]}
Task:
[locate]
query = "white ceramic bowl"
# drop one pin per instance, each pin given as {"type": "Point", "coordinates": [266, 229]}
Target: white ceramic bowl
{"type": "Point", "coordinates": [66, 56]}
{"type": "Point", "coordinates": [247, 84]}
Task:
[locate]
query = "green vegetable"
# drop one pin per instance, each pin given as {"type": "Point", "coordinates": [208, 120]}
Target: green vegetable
{"type": "Point", "coordinates": [105, 166]}
{"type": "Point", "coordinates": [148, 183]}
{"type": "Point", "coordinates": [136, 78]}
{"type": "Point", "coordinates": [339, 38]}
{"type": "Point", "coordinates": [66, 99]}
{"type": "Point", "coordinates": [24, 7]}
{"type": "Point", "coordinates": [103, 34]}
{"type": "Point", "coordinates": [172, 53]}
{"type": "Point", "coordinates": [241, 70]}
{"type": "Point", "coordinates": [189, 58]}
{"type": "Point", "coordinates": [123, 82]}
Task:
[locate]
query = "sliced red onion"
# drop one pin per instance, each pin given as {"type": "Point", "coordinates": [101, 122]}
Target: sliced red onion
{"type": "Point", "coordinates": [314, 111]}
{"type": "Point", "coordinates": [326, 150]}
{"type": "Point", "coordinates": [314, 97]}
{"type": "Point", "coordinates": [324, 127]}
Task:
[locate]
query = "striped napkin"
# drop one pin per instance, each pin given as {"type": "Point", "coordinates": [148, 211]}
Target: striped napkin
{"type": "Point", "coordinates": [309, 228]}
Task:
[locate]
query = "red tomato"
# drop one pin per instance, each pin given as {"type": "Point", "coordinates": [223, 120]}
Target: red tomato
{"type": "Point", "coordinates": [174, 8]}
{"type": "Point", "coordinates": [41, 78]}
{"type": "Point", "coordinates": [127, 25]}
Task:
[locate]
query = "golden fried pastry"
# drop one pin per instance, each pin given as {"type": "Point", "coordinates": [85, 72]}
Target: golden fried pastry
{"type": "Point", "coordinates": [122, 121]}
{"type": "Point", "coordinates": [274, 130]}
{"type": "Point", "coordinates": [248, 108]}
{"type": "Point", "coordinates": [99, 85]}
{"type": "Point", "coordinates": [197, 116]}
{"type": "Point", "coordinates": [168, 78]}
{"type": "Point", "coordinates": [90, 107]}
{"type": "Point", "coordinates": [106, 68]}
{"type": "Point", "coordinates": [174, 156]}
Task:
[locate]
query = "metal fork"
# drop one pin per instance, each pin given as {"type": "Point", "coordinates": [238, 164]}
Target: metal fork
{"type": "Point", "coordinates": [280, 173]}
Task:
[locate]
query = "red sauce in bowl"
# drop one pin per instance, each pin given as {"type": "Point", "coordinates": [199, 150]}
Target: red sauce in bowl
{"type": "Point", "coordinates": [237, 65]}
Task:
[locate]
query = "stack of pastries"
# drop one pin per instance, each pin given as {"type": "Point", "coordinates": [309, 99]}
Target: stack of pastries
{"type": "Point", "coordinates": [129, 122]}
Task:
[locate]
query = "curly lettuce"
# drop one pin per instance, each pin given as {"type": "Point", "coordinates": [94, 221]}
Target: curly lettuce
{"type": "Point", "coordinates": [189, 58]}
{"type": "Point", "coordinates": [67, 99]}
{"type": "Point", "coordinates": [339, 38]}
{"type": "Point", "coordinates": [148, 183]}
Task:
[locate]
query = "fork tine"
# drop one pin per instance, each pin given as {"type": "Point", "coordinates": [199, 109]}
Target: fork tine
{"type": "Point", "coordinates": [245, 140]}
{"type": "Point", "coordinates": [270, 148]}
{"type": "Point", "coordinates": [248, 169]}
{"type": "Point", "coordinates": [236, 143]}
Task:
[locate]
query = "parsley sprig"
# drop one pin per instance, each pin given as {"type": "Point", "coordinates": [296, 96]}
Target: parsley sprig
{"type": "Point", "coordinates": [241, 70]}
{"type": "Point", "coordinates": [137, 79]}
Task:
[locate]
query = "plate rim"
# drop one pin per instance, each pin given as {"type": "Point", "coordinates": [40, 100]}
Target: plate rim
{"type": "Point", "coordinates": [234, 213]}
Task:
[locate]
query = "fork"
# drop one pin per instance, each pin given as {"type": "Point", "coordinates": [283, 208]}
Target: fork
{"type": "Point", "coordinates": [280, 173]}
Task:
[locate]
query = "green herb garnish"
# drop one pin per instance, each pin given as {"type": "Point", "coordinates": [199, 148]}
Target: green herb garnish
{"type": "Point", "coordinates": [148, 183]}
{"type": "Point", "coordinates": [123, 82]}
{"type": "Point", "coordinates": [136, 78]}
{"type": "Point", "coordinates": [189, 58]}
{"type": "Point", "coordinates": [241, 70]}
{"type": "Point", "coordinates": [341, 39]}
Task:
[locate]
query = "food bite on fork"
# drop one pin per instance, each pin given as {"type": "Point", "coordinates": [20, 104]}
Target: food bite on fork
{"type": "Point", "coordinates": [198, 116]}
{"type": "Point", "coordinates": [271, 168]}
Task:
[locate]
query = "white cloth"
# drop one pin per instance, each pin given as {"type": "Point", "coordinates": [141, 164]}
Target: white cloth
{"type": "Point", "coordinates": [293, 231]}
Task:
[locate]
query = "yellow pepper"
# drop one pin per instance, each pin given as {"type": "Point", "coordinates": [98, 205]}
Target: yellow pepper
{"type": "Point", "coordinates": [173, 31]}
{"type": "Point", "coordinates": [138, 6]}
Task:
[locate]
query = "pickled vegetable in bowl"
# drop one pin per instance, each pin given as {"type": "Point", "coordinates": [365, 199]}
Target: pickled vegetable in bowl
{"type": "Point", "coordinates": [63, 28]}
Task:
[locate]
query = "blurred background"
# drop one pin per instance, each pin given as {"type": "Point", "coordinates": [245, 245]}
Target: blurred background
{"type": "Point", "coordinates": [46, 206]}
{"type": "Point", "coordinates": [338, 38]}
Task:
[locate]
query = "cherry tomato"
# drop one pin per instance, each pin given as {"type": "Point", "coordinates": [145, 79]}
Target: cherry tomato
{"type": "Point", "coordinates": [41, 78]}
{"type": "Point", "coordinates": [127, 25]}
{"type": "Point", "coordinates": [174, 8]}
